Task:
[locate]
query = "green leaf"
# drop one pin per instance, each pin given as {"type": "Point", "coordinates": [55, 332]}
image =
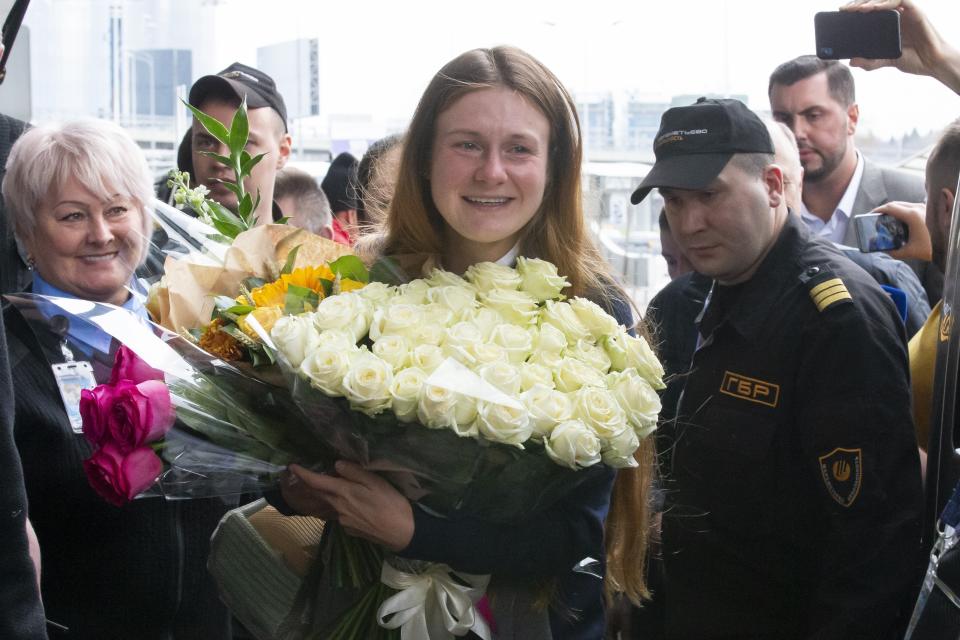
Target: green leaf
{"type": "Point", "coordinates": [351, 268]}
{"type": "Point", "coordinates": [228, 230]}
{"type": "Point", "coordinates": [297, 298]}
{"type": "Point", "coordinates": [213, 126]}
{"type": "Point", "coordinates": [239, 129]}
{"type": "Point", "coordinates": [224, 160]}
{"type": "Point", "coordinates": [232, 186]}
{"type": "Point", "coordinates": [283, 220]}
{"type": "Point", "coordinates": [240, 309]}
{"type": "Point", "coordinates": [291, 260]}
{"type": "Point", "coordinates": [249, 164]}
{"type": "Point", "coordinates": [387, 271]}
{"type": "Point", "coordinates": [327, 287]}
{"type": "Point", "coordinates": [245, 208]}
{"type": "Point", "coordinates": [262, 357]}
{"type": "Point", "coordinates": [225, 214]}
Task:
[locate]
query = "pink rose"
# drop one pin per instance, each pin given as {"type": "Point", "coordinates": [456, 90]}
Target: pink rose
{"type": "Point", "coordinates": [128, 366]}
{"type": "Point", "coordinates": [119, 478]}
{"type": "Point", "coordinates": [138, 414]}
{"type": "Point", "coordinates": [94, 406]}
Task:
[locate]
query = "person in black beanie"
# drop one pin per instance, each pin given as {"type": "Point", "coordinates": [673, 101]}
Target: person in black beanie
{"type": "Point", "coordinates": [340, 186]}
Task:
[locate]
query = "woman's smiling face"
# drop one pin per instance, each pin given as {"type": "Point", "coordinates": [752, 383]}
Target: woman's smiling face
{"type": "Point", "coordinates": [85, 246]}
{"type": "Point", "coordinates": [488, 169]}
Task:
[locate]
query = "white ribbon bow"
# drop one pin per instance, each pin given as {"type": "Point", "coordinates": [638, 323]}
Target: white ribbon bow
{"type": "Point", "coordinates": [432, 604]}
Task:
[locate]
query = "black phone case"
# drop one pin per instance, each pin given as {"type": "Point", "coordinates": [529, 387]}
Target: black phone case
{"type": "Point", "coordinates": [841, 35]}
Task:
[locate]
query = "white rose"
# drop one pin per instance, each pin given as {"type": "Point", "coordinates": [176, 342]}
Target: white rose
{"type": "Point", "coordinates": [590, 354]}
{"type": "Point", "coordinates": [482, 353]}
{"type": "Point", "coordinates": [456, 299]}
{"type": "Point", "coordinates": [326, 369]}
{"type": "Point", "coordinates": [540, 279]}
{"type": "Point", "coordinates": [618, 451]}
{"type": "Point", "coordinates": [627, 351]}
{"type": "Point", "coordinates": [548, 338]}
{"type": "Point", "coordinates": [599, 410]}
{"type": "Point", "coordinates": [367, 384]}
{"type": "Point", "coordinates": [395, 319]}
{"type": "Point", "coordinates": [637, 398]}
{"type": "Point", "coordinates": [413, 292]}
{"type": "Point", "coordinates": [486, 276]}
{"type": "Point", "coordinates": [550, 361]}
{"type": "Point", "coordinates": [548, 408]}
{"type": "Point", "coordinates": [572, 374]}
{"type": "Point", "coordinates": [458, 340]}
{"type": "Point", "coordinates": [295, 337]}
{"type": "Point", "coordinates": [597, 321]}
{"type": "Point", "coordinates": [641, 357]}
{"type": "Point", "coordinates": [393, 349]}
{"type": "Point", "coordinates": [336, 339]}
{"type": "Point", "coordinates": [405, 391]}
{"type": "Point", "coordinates": [486, 320]}
{"type": "Point", "coordinates": [502, 375]}
{"type": "Point", "coordinates": [516, 307]}
{"type": "Point", "coordinates": [500, 423]}
{"type": "Point", "coordinates": [426, 357]}
{"type": "Point", "coordinates": [346, 311]}
{"type": "Point", "coordinates": [532, 374]}
{"type": "Point", "coordinates": [441, 278]}
{"type": "Point", "coordinates": [426, 333]}
{"type": "Point", "coordinates": [438, 314]}
{"type": "Point", "coordinates": [377, 293]}
{"type": "Point", "coordinates": [441, 408]}
{"type": "Point", "coordinates": [573, 444]}
{"type": "Point", "coordinates": [516, 341]}
{"type": "Point", "coordinates": [562, 316]}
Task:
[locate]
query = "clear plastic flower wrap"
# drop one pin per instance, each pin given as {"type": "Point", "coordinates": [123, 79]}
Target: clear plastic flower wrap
{"type": "Point", "coordinates": [233, 434]}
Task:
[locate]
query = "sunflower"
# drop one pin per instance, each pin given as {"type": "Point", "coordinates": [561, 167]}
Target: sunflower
{"type": "Point", "coordinates": [274, 293]}
{"type": "Point", "coordinates": [220, 343]}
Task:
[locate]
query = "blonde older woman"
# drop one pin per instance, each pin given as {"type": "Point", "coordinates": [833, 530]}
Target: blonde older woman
{"type": "Point", "coordinates": [77, 196]}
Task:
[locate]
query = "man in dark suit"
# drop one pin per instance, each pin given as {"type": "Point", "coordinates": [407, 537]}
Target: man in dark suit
{"type": "Point", "coordinates": [21, 614]}
{"type": "Point", "coordinates": [816, 100]}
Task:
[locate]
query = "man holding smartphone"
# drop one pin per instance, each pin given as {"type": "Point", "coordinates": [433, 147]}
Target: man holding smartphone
{"type": "Point", "coordinates": [793, 496]}
{"type": "Point", "coordinates": [816, 100]}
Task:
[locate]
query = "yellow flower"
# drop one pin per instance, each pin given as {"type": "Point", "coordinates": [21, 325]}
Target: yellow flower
{"type": "Point", "coordinates": [266, 316]}
{"type": "Point", "coordinates": [274, 293]}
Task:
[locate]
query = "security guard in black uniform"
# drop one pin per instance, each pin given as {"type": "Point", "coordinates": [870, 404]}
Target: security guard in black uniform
{"type": "Point", "coordinates": [791, 469]}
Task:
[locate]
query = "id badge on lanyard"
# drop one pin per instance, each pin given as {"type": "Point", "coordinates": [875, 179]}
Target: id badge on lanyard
{"type": "Point", "coordinates": [73, 376]}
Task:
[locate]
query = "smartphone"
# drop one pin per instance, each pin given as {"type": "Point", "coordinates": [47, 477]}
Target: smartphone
{"type": "Point", "coordinates": [850, 34]}
{"type": "Point", "coordinates": [879, 232]}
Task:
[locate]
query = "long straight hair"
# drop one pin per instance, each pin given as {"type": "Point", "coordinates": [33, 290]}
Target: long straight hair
{"type": "Point", "coordinates": [557, 233]}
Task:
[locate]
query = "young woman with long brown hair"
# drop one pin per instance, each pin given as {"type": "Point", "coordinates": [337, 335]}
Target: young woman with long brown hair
{"type": "Point", "coordinates": [491, 170]}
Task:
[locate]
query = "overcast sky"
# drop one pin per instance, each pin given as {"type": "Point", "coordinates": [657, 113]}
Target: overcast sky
{"type": "Point", "coordinates": [378, 55]}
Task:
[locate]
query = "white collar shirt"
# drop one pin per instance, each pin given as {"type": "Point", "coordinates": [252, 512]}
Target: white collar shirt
{"type": "Point", "coordinates": [835, 228]}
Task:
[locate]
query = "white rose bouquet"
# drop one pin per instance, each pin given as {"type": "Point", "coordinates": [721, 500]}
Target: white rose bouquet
{"type": "Point", "coordinates": [491, 395]}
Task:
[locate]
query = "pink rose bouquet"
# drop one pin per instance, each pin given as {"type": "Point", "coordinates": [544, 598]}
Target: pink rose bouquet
{"type": "Point", "coordinates": [122, 418]}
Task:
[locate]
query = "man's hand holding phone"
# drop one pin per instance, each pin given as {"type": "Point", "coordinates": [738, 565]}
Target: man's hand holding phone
{"type": "Point", "coordinates": [913, 216]}
{"type": "Point", "coordinates": [924, 51]}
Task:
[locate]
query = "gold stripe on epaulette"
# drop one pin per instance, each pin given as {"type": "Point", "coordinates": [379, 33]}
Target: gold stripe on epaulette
{"type": "Point", "coordinates": [828, 292]}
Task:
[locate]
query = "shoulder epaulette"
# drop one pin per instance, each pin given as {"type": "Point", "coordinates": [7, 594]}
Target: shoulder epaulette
{"type": "Point", "coordinates": [827, 293]}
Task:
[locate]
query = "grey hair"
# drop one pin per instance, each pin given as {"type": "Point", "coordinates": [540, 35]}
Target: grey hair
{"type": "Point", "coordinates": [99, 154]}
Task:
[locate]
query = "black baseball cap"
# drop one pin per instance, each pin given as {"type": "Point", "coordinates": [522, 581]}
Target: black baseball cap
{"type": "Point", "coordinates": [240, 80]}
{"type": "Point", "coordinates": [696, 142]}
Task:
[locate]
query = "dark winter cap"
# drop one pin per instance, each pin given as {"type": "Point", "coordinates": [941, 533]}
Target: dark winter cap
{"type": "Point", "coordinates": [696, 142]}
{"type": "Point", "coordinates": [241, 80]}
